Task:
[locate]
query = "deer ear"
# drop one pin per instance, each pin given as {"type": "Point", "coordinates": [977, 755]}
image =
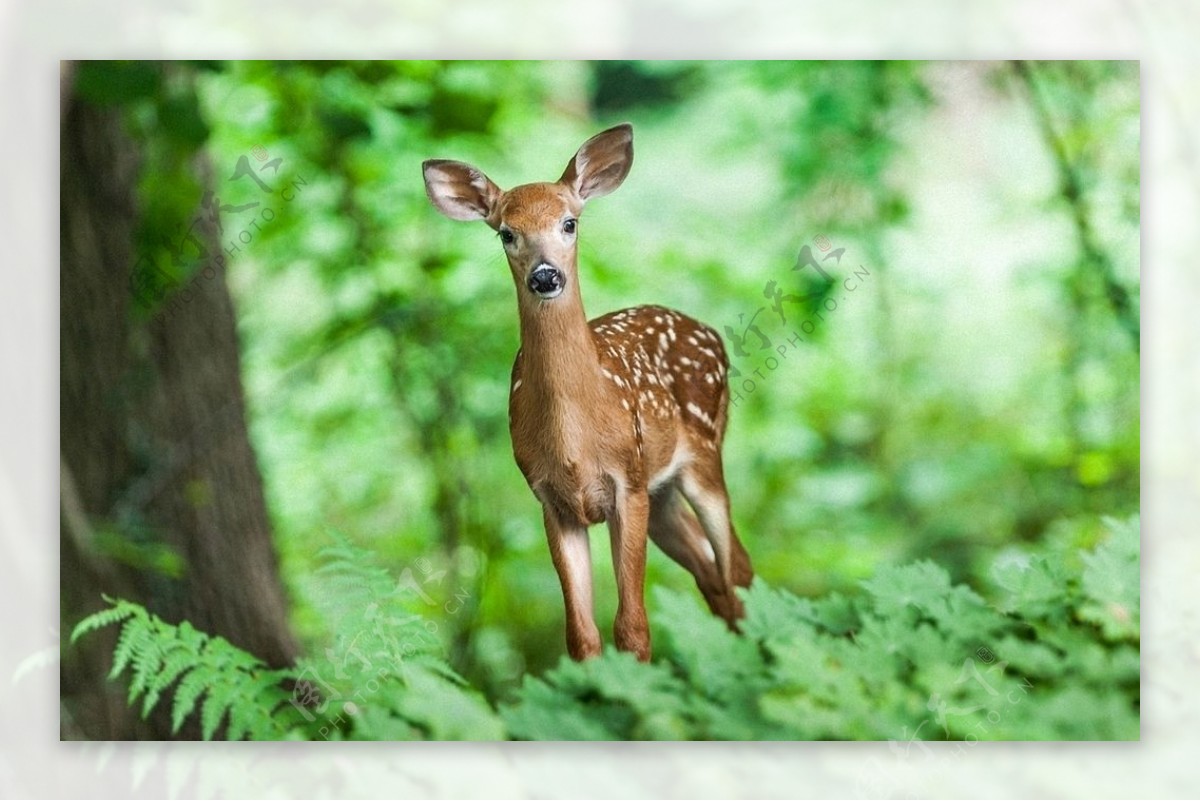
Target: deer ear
{"type": "Point", "coordinates": [460, 191]}
{"type": "Point", "coordinates": [601, 164]}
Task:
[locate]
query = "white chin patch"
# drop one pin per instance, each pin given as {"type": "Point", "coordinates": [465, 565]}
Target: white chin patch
{"type": "Point", "coordinates": [549, 295]}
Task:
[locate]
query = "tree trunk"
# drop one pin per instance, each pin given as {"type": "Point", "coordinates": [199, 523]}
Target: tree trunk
{"type": "Point", "coordinates": [155, 450]}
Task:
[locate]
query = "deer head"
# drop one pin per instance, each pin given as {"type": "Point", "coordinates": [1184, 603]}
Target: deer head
{"type": "Point", "coordinates": [537, 223]}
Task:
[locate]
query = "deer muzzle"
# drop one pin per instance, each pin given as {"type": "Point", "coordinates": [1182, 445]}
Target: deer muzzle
{"type": "Point", "coordinates": [546, 281]}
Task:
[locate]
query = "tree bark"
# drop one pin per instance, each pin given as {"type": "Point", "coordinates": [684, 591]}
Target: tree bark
{"type": "Point", "coordinates": [155, 449]}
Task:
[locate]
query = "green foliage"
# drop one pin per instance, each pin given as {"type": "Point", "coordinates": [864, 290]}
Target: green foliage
{"type": "Point", "coordinates": [912, 657]}
{"type": "Point", "coordinates": [384, 678]}
{"type": "Point", "coordinates": [384, 674]}
{"type": "Point", "coordinates": [1111, 583]}
{"type": "Point", "coordinates": [138, 547]}
{"type": "Point", "coordinates": [236, 688]}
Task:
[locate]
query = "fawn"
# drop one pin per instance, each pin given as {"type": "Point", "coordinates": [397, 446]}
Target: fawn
{"type": "Point", "coordinates": [618, 419]}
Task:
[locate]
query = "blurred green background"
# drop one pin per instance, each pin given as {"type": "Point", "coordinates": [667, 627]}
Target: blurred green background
{"type": "Point", "coordinates": [975, 394]}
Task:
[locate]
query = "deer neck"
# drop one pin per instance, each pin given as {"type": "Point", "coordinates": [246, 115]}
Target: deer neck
{"type": "Point", "coordinates": [560, 363]}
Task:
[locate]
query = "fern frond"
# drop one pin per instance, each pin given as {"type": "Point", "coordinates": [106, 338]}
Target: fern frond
{"type": "Point", "coordinates": [190, 688]}
{"type": "Point", "coordinates": [242, 722]}
{"type": "Point", "coordinates": [135, 638]}
{"type": "Point", "coordinates": [216, 703]}
{"type": "Point", "coordinates": [225, 682]}
{"type": "Point", "coordinates": [105, 617]}
{"type": "Point", "coordinates": [174, 665]}
{"type": "Point", "coordinates": [254, 719]}
{"type": "Point", "coordinates": [148, 661]}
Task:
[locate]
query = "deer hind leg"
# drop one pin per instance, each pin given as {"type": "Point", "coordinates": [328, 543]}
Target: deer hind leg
{"type": "Point", "coordinates": [675, 529]}
{"type": "Point", "coordinates": [703, 484]}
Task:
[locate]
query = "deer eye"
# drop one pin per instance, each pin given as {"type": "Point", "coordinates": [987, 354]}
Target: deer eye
{"type": "Point", "coordinates": [569, 226]}
{"type": "Point", "coordinates": [506, 236]}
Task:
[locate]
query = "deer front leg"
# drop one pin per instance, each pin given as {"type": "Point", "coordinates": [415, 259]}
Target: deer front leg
{"type": "Point", "coordinates": [573, 561]}
{"type": "Point", "coordinates": [627, 530]}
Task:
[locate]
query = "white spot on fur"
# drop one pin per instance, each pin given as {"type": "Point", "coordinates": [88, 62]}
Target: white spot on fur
{"type": "Point", "coordinates": [701, 415]}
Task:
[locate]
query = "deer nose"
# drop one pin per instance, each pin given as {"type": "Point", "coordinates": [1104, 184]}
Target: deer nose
{"type": "Point", "coordinates": [546, 281]}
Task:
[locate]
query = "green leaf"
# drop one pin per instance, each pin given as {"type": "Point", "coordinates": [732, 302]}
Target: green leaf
{"type": "Point", "coordinates": [546, 713]}
{"type": "Point", "coordinates": [1033, 584]}
{"type": "Point", "coordinates": [445, 710]}
{"type": "Point", "coordinates": [918, 586]}
{"type": "Point", "coordinates": [1112, 583]}
{"type": "Point", "coordinates": [216, 703]}
{"type": "Point", "coordinates": [174, 665]}
{"type": "Point", "coordinates": [105, 617]}
{"type": "Point", "coordinates": [712, 657]}
{"type": "Point", "coordinates": [191, 686]}
{"type": "Point", "coordinates": [134, 636]}
{"type": "Point", "coordinates": [774, 613]}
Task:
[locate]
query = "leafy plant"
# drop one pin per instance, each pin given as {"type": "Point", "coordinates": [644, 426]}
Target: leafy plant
{"type": "Point", "coordinates": [915, 657]}
{"type": "Point", "coordinates": [235, 686]}
{"type": "Point", "coordinates": [381, 678]}
{"type": "Point", "coordinates": [912, 658]}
